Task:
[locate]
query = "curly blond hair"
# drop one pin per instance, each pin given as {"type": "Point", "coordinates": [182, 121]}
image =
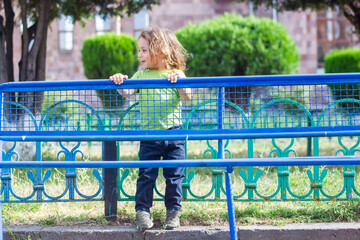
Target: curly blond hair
{"type": "Point", "coordinates": [164, 45]}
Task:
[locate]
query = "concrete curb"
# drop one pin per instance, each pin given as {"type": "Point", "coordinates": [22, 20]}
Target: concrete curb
{"type": "Point", "coordinates": [314, 231]}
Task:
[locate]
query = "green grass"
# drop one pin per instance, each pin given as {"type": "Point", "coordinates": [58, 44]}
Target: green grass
{"type": "Point", "coordinates": [193, 213]}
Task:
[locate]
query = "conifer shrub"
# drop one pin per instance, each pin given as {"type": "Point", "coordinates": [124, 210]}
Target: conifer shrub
{"type": "Point", "coordinates": [105, 55]}
{"type": "Point", "coordinates": [232, 45]}
{"type": "Point", "coordinates": [344, 61]}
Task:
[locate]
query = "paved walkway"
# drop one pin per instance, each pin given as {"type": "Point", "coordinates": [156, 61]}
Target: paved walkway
{"type": "Point", "coordinates": [314, 231]}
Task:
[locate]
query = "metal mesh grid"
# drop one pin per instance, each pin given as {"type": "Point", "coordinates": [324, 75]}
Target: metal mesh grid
{"type": "Point", "coordinates": [160, 109]}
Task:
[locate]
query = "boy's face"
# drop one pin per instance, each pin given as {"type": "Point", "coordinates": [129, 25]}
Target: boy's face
{"type": "Point", "coordinates": [144, 56]}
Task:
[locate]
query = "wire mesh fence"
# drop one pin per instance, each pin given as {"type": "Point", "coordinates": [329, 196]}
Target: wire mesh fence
{"type": "Point", "coordinates": [161, 108]}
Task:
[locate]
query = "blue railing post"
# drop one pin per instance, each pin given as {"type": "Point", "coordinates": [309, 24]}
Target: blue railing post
{"type": "Point", "coordinates": [228, 170]}
{"type": "Point", "coordinates": [39, 186]}
{"type": "Point", "coordinates": [70, 175]}
{"type": "Point", "coordinates": [230, 204]}
{"type": "Point", "coordinates": [221, 109]}
{"type": "Point", "coordinates": [6, 174]}
{"type": "Point", "coordinates": [221, 150]}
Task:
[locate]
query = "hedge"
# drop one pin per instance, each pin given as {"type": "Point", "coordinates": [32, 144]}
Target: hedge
{"type": "Point", "coordinates": [105, 55]}
{"type": "Point", "coordinates": [344, 61]}
{"type": "Point", "coordinates": [232, 45]}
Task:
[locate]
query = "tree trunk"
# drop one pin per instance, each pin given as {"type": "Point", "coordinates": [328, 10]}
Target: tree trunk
{"type": "Point", "coordinates": [32, 63]}
{"type": "Point", "coordinates": [25, 40]}
{"type": "Point", "coordinates": [239, 95]}
{"type": "Point", "coordinates": [41, 68]}
{"type": "Point", "coordinates": [9, 30]}
{"type": "Point", "coordinates": [7, 66]}
{"type": "Point", "coordinates": [3, 62]}
{"type": "Point", "coordinates": [352, 13]}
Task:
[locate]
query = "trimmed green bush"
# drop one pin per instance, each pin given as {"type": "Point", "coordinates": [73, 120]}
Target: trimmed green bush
{"type": "Point", "coordinates": [344, 61]}
{"type": "Point", "coordinates": [232, 45]}
{"type": "Point", "coordinates": [108, 54]}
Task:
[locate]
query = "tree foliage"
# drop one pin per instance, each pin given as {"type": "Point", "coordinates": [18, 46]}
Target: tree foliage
{"type": "Point", "coordinates": [350, 8]}
{"type": "Point", "coordinates": [33, 38]}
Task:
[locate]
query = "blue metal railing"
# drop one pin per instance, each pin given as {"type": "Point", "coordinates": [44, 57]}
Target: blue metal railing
{"type": "Point", "coordinates": [260, 117]}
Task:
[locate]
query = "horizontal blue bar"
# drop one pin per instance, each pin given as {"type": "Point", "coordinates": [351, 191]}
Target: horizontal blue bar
{"type": "Point", "coordinates": [240, 162]}
{"type": "Point", "coordinates": [193, 82]}
{"type": "Point", "coordinates": [136, 135]}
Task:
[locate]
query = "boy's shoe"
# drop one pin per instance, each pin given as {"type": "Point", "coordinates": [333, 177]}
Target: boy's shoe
{"type": "Point", "coordinates": [143, 220]}
{"type": "Point", "coordinates": [172, 219]}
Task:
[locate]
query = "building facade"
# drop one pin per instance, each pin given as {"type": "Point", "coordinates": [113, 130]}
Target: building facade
{"type": "Point", "coordinates": [314, 33]}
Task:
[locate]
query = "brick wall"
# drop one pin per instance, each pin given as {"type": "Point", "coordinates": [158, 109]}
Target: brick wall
{"type": "Point", "coordinates": [302, 28]}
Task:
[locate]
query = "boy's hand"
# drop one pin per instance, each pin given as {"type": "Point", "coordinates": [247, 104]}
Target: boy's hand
{"type": "Point", "coordinates": [172, 77]}
{"type": "Point", "coordinates": [185, 93]}
{"type": "Point", "coordinates": [118, 78]}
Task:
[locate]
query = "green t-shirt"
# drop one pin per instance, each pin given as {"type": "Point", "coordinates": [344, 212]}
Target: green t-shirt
{"type": "Point", "coordinates": [160, 109]}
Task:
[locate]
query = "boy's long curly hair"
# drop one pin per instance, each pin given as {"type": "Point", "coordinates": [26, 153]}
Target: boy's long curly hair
{"type": "Point", "coordinates": [165, 46]}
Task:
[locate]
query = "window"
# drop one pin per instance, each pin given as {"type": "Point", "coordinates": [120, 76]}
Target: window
{"type": "Point", "coordinates": [333, 31]}
{"type": "Point", "coordinates": [141, 22]}
{"type": "Point", "coordinates": [66, 27]}
{"type": "Point", "coordinates": [251, 8]}
{"type": "Point", "coordinates": [102, 25]}
{"type": "Point", "coordinates": [274, 10]}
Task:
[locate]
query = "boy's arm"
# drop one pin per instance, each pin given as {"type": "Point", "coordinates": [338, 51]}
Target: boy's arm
{"type": "Point", "coordinates": [185, 93]}
{"type": "Point", "coordinates": [119, 79]}
{"type": "Point", "coordinates": [126, 92]}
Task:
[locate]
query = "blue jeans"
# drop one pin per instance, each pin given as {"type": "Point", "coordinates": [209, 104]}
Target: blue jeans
{"type": "Point", "coordinates": [154, 150]}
